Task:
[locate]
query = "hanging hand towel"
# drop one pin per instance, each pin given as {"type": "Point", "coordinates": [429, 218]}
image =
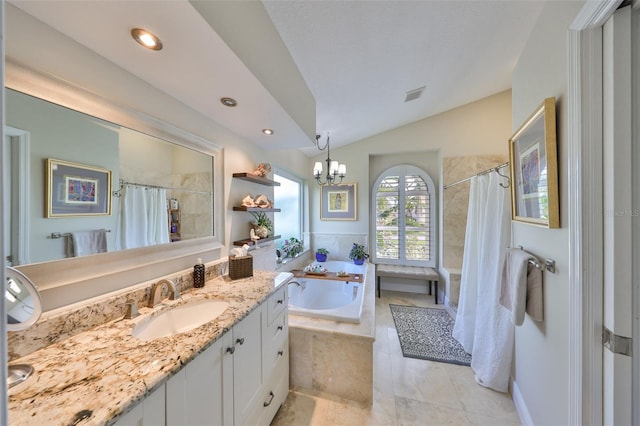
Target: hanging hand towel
{"type": "Point", "coordinates": [89, 242]}
{"type": "Point", "coordinates": [521, 287]}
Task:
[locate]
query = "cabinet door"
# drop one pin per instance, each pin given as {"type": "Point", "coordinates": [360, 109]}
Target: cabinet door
{"type": "Point", "coordinates": [149, 412]}
{"type": "Point", "coordinates": [247, 365]}
{"type": "Point", "coordinates": [200, 394]}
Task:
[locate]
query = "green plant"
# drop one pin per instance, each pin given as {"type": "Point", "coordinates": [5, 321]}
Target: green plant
{"type": "Point", "coordinates": [322, 251]}
{"type": "Point", "coordinates": [358, 252]}
{"type": "Point", "coordinates": [292, 247]}
{"type": "Point", "coordinates": [263, 220]}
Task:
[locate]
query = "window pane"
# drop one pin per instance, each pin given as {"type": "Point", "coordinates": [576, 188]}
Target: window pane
{"type": "Point", "coordinates": [403, 218]}
{"type": "Point", "coordinates": [288, 198]}
{"type": "Point", "coordinates": [387, 243]}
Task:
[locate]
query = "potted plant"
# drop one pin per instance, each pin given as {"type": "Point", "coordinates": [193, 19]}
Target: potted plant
{"type": "Point", "coordinates": [321, 254]}
{"type": "Point", "coordinates": [358, 254]}
{"type": "Point", "coordinates": [292, 247]}
{"type": "Point", "coordinates": [263, 226]}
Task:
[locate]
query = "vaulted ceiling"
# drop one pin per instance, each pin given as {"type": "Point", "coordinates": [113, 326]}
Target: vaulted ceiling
{"type": "Point", "coordinates": [358, 58]}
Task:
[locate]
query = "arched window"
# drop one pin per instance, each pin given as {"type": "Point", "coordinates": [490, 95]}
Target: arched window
{"type": "Point", "coordinates": [404, 205]}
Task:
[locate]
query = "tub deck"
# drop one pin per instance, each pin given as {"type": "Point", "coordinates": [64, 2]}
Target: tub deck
{"type": "Point", "coordinates": [355, 278]}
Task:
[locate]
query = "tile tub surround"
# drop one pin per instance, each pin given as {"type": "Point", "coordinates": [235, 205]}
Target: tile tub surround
{"type": "Point", "coordinates": [108, 371]}
{"type": "Point", "coordinates": [60, 324]}
{"type": "Point", "coordinates": [335, 358]}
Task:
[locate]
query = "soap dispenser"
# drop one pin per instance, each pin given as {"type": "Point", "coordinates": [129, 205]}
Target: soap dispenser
{"type": "Point", "coordinates": [198, 274]}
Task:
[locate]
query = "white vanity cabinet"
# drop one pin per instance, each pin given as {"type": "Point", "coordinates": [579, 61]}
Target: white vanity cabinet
{"type": "Point", "coordinates": [242, 379]}
{"type": "Point", "coordinates": [275, 359]}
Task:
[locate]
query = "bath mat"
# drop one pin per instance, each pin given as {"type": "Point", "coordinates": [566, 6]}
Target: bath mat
{"type": "Point", "coordinates": [426, 333]}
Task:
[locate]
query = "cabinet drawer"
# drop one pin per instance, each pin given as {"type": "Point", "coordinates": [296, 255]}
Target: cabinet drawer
{"type": "Point", "coordinates": [277, 329]}
{"type": "Point", "coordinates": [275, 356]}
{"type": "Point", "coordinates": [276, 303]}
{"type": "Point", "coordinates": [274, 394]}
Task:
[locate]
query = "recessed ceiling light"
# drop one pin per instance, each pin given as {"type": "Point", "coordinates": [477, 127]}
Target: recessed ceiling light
{"type": "Point", "coordinates": [229, 102]}
{"type": "Point", "coordinates": [146, 39]}
{"type": "Point", "coordinates": [267, 131]}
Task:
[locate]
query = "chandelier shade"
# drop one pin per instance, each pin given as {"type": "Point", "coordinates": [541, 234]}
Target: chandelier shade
{"type": "Point", "coordinates": [335, 169]}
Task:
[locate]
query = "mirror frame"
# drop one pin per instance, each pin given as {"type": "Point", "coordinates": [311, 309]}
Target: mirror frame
{"type": "Point", "coordinates": [35, 295]}
{"type": "Point", "coordinates": [66, 281]}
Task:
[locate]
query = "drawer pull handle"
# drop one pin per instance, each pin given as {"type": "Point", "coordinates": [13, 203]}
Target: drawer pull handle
{"type": "Point", "coordinates": [280, 353]}
{"type": "Point", "coordinates": [280, 328]}
{"type": "Point", "coordinates": [280, 301]}
{"type": "Point", "coordinates": [268, 403]}
{"type": "Point", "coordinates": [231, 350]}
{"type": "Point", "coordinates": [240, 341]}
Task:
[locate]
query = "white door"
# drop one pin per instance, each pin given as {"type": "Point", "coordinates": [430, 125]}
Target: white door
{"type": "Point", "coordinates": [619, 219]}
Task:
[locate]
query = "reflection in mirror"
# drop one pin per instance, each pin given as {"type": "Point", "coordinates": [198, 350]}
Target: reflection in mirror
{"type": "Point", "coordinates": [23, 306]}
{"type": "Point", "coordinates": [22, 301]}
{"type": "Point", "coordinates": [161, 192]}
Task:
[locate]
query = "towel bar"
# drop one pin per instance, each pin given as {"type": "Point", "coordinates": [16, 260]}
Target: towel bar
{"type": "Point", "coordinates": [56, 235]}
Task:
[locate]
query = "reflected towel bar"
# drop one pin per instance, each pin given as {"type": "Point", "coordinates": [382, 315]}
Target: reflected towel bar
{"type": "Point", "coordinates": [56, 235]}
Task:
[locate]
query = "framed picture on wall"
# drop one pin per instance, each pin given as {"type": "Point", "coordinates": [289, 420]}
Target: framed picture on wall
{"type": "Point", "coordinates": [77, 190]}
{"type": "Point", "coordinates": [338, 202]}
{"type": "Point", "coordinates": [533, 159]}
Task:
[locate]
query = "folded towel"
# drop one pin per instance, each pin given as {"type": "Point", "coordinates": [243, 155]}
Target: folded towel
{"type": "Point", "coordinates": [88, 242]}
{"type": "Point", "coordinates": [521, 286]}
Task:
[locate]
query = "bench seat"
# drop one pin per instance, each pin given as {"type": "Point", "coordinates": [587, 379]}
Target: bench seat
{"type": "Point", "coordinates": [410, 272]}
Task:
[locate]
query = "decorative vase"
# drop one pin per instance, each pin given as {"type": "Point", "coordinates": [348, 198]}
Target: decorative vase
{"type": "Point", "coordinates": [321, 257]}
{"type": "Point", "coordinates": [261, 231]}
{"type": "Point", "coordinates": [358, 261]}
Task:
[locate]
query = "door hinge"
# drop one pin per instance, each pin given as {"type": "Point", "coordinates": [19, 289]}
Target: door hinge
{"type": "Point", "coordinates": [616, 344]}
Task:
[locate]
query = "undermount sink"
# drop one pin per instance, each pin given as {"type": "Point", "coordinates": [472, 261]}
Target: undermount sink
{"type": "Point", "coordinates": [180, 319]}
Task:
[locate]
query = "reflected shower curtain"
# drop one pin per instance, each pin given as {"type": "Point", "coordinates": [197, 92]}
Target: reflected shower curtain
{"type": "Point", "coordinates": [482, 324]}
{"type": "Point", "coordinates": [143, 218]}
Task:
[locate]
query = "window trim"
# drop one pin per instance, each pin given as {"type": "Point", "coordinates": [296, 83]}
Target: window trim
{"type": "Point", "coordinates": [287, 175]}
{"type": "Point", "coordinates": [403, 170]}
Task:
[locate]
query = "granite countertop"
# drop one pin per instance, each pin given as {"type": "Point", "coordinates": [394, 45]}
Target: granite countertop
{"type": "Point", "coordinates": [107, 371]}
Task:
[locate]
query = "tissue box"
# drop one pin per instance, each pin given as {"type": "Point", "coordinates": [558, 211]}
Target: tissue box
{"type": "Point", "coordinates": [240, 266]}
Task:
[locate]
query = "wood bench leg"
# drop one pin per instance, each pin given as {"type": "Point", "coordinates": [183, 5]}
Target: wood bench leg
{"type": "Point", "coordinates": [436, 288]}
{"type": "Point", "coordinates": [378, 279]}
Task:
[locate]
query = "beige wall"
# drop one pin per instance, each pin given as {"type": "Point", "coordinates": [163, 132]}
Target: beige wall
{"type": "Point", "coordinates": [479, 128]}
{"type": "Point", "coordinates": [541, 370]}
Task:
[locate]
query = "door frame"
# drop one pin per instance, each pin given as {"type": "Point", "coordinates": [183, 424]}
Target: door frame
{"type": "Point", "coordinates": [584, 89]}
{"type": "Point", "coordinates": [20, 233]}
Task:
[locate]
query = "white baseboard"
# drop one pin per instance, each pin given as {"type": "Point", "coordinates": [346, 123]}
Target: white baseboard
{"type": "Point", "coordinates": [521, 406]}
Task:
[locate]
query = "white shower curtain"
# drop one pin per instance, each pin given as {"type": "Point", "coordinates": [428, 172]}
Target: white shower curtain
{"type": "Point", "coordinates": [464, 328]}
{"type": "Point", "coordinates": [143, 218]}
{"type": "Point", "coordinates": [482, 324]}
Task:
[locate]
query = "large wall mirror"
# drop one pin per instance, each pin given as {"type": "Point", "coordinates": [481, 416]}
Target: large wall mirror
{"type": "Point", "coordinates": [153, 191]}
{"type": "Point", "coordinates": [52, 122]}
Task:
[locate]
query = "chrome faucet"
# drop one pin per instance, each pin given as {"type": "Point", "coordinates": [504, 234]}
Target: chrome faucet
{"type": "Point", "coordinates": [156, 292]}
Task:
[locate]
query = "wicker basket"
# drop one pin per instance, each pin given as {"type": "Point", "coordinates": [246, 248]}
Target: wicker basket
{"type": "Point", "coordinates": [240, 266]}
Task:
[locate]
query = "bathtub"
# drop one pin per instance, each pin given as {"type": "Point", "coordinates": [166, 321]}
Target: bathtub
{"type": "Point", "coordinates": [329, 299]}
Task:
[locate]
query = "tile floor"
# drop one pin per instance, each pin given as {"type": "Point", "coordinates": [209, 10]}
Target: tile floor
{"type": "Point", "coordinates": [406, 391]}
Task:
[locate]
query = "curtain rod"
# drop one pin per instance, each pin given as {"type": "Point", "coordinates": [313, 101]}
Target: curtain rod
{"type": "Point", "coordinates": [144, 185]}
{"type": "Point", "coordinates": [493, 169]}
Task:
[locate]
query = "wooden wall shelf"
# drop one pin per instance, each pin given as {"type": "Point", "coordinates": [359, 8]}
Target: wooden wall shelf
{"type": "Point", "coordinates": [256, 179]}
{"type": "Point", "coordinates": [253, 209]}
{"type": "Point", "coordinates": [249, 242]}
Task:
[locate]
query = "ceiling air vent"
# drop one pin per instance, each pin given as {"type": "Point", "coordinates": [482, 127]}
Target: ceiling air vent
{"type": "Point", "coordinates": [414, 94]}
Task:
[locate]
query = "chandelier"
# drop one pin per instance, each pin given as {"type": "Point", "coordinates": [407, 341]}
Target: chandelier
{"type": "Point", "coordinates": [334, 169]}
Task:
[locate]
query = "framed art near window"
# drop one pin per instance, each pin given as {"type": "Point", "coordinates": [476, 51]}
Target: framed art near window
{"type": "Point", "coordinates": [77, 190]}
{"type": "Point", "coordinates": [338, 202]}
{"type": "Point", "coordinates": [533, 159]}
